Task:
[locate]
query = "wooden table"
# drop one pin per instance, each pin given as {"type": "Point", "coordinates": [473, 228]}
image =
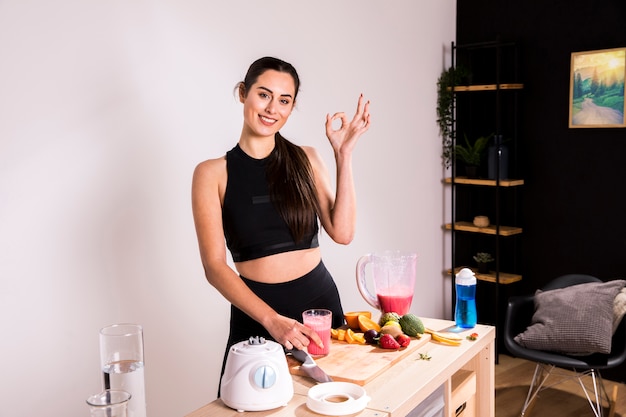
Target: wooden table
{"type": "Point", "coordinates": [466, 372]}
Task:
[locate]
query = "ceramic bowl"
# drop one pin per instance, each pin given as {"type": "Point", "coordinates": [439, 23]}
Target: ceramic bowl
{"type": "Point", "coordinates": [481, 221]}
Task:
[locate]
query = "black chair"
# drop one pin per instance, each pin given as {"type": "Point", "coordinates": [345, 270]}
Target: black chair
{"type": "Point", "coordinates": [519, 315]}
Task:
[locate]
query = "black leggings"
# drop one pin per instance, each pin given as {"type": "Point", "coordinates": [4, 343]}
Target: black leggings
{"type": "Point", "coordinates": [316, 289]}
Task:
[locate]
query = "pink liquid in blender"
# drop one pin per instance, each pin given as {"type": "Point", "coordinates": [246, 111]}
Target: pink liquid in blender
{"type": "Point", "coordinates": [396, 300]}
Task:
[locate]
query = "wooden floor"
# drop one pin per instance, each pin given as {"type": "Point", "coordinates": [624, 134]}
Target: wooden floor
{"type": "Point", "coordinates": [567, 399]}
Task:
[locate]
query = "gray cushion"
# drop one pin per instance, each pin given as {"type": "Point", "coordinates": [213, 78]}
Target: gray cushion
{"type": "Point", "coordinates": [573, 320]}
{"type": "Point", "coordinates": [619, 308]}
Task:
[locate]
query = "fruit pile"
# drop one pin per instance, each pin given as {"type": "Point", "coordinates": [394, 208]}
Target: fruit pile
{"type": "Point", "coordinates": [392, 331]}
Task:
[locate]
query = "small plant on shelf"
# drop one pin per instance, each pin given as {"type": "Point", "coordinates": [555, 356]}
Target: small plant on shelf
{"type": "Point", "coordinates": [483, 259]}
{"type": "Point", "coordinates": [471, 154]}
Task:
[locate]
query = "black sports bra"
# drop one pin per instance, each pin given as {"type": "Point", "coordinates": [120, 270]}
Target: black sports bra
{"type": "Point", "coordinates": [253, 228]}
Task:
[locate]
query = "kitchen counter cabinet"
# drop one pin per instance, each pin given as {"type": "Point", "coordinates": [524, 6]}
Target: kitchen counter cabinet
{"type": "Point", "coordinates": [296, 407]}
{"type": "Point", "coordinates": [402, 387]}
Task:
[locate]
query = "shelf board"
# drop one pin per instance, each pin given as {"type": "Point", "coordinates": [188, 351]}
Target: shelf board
{"type": "Point", "coordinates": [489, 230]}
{"type": "Point", "coordinates": [488, 87]}
{"type": "Point", "coordinates": [505, 277]}
{"type": "Point", "coordinates": [480, 181]}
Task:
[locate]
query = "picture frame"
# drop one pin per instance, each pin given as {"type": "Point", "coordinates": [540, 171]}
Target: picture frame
{"type": "Point", "coordinates": [597, 88]}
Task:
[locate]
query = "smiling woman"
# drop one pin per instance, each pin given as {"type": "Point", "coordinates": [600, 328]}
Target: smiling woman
{"type": "Point", "coordinates": [266, 106]}
{"type": "Point", "coordinates": [263, 201]}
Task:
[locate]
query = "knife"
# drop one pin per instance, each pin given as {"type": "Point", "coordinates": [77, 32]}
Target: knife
{"type": "Point", "coordinates": [309, 366]}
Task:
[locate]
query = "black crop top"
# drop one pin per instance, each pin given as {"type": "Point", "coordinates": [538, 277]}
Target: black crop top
{"type": "Point", "coordinates": [253, 228]}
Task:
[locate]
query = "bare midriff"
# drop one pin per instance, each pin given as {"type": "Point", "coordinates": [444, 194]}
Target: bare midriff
{"type": "Point", "coordinates": [281, 267]}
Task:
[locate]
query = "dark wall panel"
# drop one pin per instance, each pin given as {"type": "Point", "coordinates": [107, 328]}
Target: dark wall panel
{"type": "Point", "coordinates": [573, 206]}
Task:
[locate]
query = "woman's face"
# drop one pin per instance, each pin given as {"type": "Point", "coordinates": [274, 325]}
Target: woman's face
{"type": "Point", "coordinates": [268, 103]}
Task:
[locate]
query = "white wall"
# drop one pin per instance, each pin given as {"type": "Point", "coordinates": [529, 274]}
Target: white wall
{"type": "Point", "coordinates": [105, 109]}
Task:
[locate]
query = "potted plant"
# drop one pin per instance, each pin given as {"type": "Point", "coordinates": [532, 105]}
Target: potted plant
{"type": "Point", "coordinates": [471, 154]}
{"type": "Point", "coordinates": [445, 117]}
{"type": "Point", "coordinates": [482, 260]}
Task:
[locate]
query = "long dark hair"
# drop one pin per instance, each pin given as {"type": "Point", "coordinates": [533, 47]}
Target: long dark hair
{"type": "Point", "coordinates": [289, 172]}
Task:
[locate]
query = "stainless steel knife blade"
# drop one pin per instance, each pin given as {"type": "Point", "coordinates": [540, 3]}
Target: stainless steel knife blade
{"type": "Point", "coordinates": [309, 366]}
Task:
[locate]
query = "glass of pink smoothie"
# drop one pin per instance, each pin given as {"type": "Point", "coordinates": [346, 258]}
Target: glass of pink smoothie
{"type": "Point", "coordinates": [320, 320]}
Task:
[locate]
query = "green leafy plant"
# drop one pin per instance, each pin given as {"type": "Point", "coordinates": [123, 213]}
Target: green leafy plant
{"type": "Point", "coordinates": [471, 154]}
{"type": "Point", "coordinates": [483, 257]}
{"type": "Point", "coordinates": [445, 109]}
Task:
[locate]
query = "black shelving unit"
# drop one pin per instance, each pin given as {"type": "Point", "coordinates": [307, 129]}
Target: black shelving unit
{"type": "Point", "coordinates": [488, 104]}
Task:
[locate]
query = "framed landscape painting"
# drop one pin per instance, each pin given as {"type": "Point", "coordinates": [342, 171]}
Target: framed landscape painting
{"type": "Point", "coordinates": [597, 88]}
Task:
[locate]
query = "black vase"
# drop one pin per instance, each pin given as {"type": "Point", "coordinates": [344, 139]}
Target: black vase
{"type": "Point", "coordinates": [497, 152]}
{"type": "Point", "coordinates": [483, 268]}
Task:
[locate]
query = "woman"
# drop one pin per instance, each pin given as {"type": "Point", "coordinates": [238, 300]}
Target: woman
{"type": "Point", "coordinates": [262, 200]}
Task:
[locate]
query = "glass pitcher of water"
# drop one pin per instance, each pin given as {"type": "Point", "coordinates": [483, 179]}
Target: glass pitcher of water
{"type": "Point", "coordinates": [121, 359]}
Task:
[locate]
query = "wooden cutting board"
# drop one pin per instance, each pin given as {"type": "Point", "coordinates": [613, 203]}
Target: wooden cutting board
{"type": "Point", "coordinates": [356, 363]}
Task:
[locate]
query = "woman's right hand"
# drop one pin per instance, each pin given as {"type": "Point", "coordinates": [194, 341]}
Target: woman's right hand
{"type": "Point", "coordinates": [291, 333]}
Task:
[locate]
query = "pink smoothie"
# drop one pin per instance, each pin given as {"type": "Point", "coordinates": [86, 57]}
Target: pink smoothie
{"type": "Point", "coordinates": [313, 349]}
{"type": "Point", "coordinates": [395, 303]}
{"type": "Point", "coordinates": [319, 321]}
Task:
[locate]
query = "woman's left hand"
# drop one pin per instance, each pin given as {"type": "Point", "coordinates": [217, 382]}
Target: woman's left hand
{"type": "Point", "coordinates": [345, 137]}
{"type": "Point", "coordinates": [291, 333]}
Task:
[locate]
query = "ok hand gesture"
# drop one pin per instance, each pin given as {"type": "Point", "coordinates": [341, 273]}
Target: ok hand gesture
{"type": "Point", "coordinates": [344, 139]}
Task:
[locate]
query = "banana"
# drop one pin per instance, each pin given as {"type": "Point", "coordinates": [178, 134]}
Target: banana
{"type": "Point", "coordinates": [445, 336]}
{"type": "Point", "coordinates": [449, 340]}
{"type": "Point", "coordinates": [440, 339]}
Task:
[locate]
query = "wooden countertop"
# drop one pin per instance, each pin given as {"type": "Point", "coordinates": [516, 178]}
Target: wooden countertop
{"type": "Point", "coordinates": [407, 383]}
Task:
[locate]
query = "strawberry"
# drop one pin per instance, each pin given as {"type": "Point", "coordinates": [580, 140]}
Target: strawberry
{"type": "Point", "coordinates": [387, 341]}
{"type": "Point", "coordinates": [403, 340]}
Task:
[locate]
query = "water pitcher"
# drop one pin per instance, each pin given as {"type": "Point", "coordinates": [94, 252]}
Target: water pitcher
{"type": "Point", "coordinates": [121, 359]}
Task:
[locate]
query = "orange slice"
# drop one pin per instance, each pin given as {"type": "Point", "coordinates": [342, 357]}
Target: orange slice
{"type": "Point", "coordinates": [366, 323]}
{"type": "Point", "coordinates": [352, 337]}
{"type": "Point", "coordinates": [341, 334]}
{"type": "Point", "coordinates": [352, 318]}
{"type": "Point", "coordinates": [334, 333]}
{"type": "Point", "coordinates": [360, 338]}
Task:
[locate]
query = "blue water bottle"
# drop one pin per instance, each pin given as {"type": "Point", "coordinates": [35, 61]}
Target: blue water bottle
{"type": "Point", "coordinates": [465, 311]}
